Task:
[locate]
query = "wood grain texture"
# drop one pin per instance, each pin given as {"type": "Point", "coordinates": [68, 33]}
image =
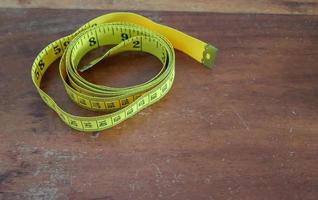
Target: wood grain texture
{"type": "Point", "coordinates": [308, 7]}
{"type": "Point", "coordinates": [245, 130]}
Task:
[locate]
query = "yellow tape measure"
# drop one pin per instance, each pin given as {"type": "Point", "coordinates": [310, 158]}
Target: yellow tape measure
{"type": "Point", "coordinates": [129, 32]}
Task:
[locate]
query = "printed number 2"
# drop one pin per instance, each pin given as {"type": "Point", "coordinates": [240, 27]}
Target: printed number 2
{"type": "Point", "coordinates": [136, 44]}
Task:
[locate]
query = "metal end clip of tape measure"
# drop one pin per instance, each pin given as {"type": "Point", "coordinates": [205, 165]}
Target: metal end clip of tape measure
{"type": "Point", "coordinates": [129, 32]}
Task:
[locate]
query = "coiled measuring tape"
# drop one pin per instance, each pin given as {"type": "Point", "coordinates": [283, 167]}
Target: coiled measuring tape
{"type": "Point", "coordinates": [129, 32]}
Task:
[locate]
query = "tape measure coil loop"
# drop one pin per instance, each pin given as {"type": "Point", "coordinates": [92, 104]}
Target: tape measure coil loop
{"type": "Point", "coordinates": [129, 32]}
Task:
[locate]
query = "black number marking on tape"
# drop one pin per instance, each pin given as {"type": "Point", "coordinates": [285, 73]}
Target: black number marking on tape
{"type": "Point", "coordinates": [37, 75]}
{"type": "Point", "coordinates": [130, 111]}
{"type": "Point", "coordinates": [124, 36]}
{"type": "Point", "coordinates": [110, 105]}
{"type": "Point", "coordinates": [73, 123]}
{"type": "Point", "coordinates": [124, 102]}
{"type": "Point", "coordinates": [57, 50]}
{"type": "Point", "coordinates": [102, 123]}
{"type": "Point", "coordinates": [41, 64]}
{"type": "Point", "coordinates": [66, 43]}
{"type": "Point", "coordinates": [136, 44]}
{"type": "Point", "coordinates": [117, 118]}
{"type": "Point", "coordinates": [88, 124]}
{"type": "Point", "coordinates": [92, 41]}
{"type": "Point", "coordinates": [153, 96]}
{"type": "Point", "coordinates": [141, 102]}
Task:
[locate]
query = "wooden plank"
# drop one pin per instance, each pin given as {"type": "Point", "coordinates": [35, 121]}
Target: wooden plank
{"type": "Point", "coordinates": [245, 130]}
{"type": "Point", "coordinates": [308, 7]}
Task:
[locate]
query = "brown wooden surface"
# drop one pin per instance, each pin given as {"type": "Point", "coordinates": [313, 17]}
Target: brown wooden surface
{"type": "Point", "coordinates": [245, 130]}
{"type": "Point", "coordinates": [308, 7]}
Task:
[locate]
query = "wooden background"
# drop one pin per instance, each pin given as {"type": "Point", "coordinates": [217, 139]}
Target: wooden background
{"type": "Point", "coordinates": [308, 7]}
{"type": "Point", "coordinates": [245, 130]}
